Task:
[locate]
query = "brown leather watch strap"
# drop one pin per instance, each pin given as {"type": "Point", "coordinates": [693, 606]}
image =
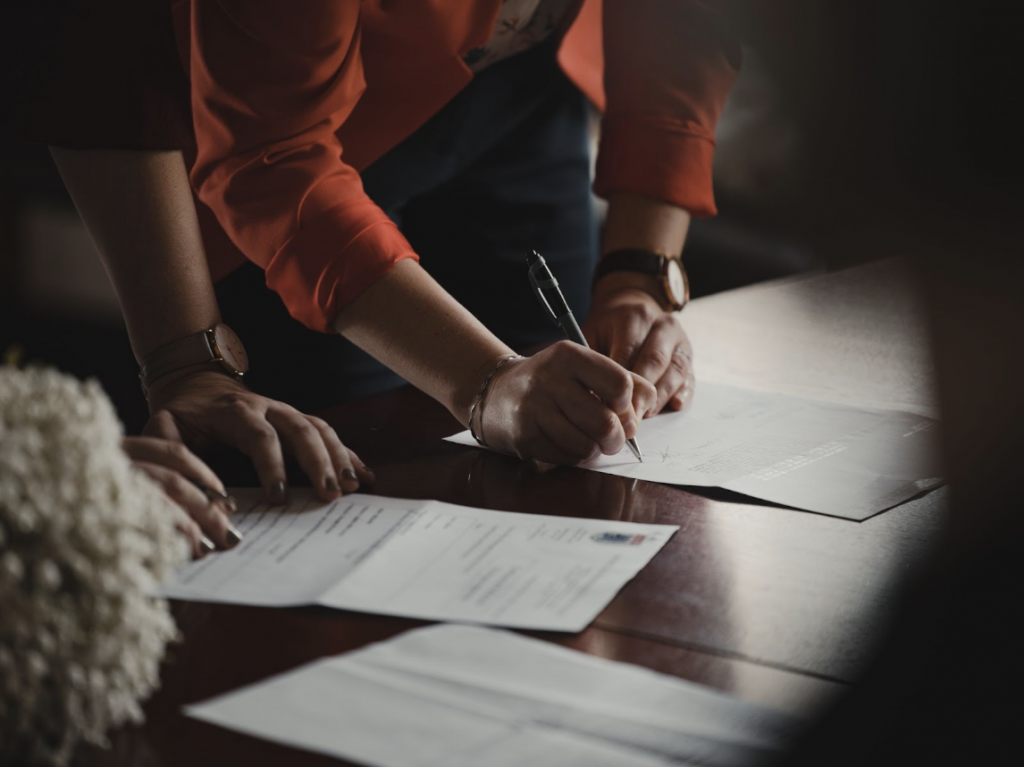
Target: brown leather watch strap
{"type": "Point", "coordinates": [191, 350]}
{"type": "Point", "coordinates": [630, 260]}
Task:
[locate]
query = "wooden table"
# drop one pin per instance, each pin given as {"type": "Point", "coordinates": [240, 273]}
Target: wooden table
{"type": "Point", "coordinates": [773, 605]}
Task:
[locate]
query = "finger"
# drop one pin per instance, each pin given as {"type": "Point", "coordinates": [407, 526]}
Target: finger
{"type": "Point", "coordinates": [162, 424]}
{"type": "Point", "coordinates": [348, 467]}
{"type": "Point", "coordinates": [306, 443]}
{"type": "Point", "coordinates": [608, 380]}
{"type": "Point", "coordinates": [674, 379]}
{"type": "Point", "coordinates": [185, 525]}
{"type": "Point", "coordinates": [216, 530]}
{"type": "Point", "coordinates": [247, 430]}
{"type": "Point", "coordinates": [174, 455]}
{"type": "Point", "coordinates": [656, 354]}
{"type": "Point", "coordinates": [595, 420]}
{"type": "Point", "coordinates": [558, 441]}
{"type": "Point", "coordinates": [627, 338]}
{"type": "Point", "coordinates": [682, 399]}
{"type": "Point", "coordinates": [364, 472]}
{"type": "Point", "coordinates": [645, 397]}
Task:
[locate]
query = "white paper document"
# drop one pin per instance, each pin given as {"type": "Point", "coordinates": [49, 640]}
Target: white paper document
{"type": "Point", "coordinates": [465, 696]}
{"type": "Point", "coordinates": [423, 559]}
{"type": "Point", "coordinates": [832, 459]}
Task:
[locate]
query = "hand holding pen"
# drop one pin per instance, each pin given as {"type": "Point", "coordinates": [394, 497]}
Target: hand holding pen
{"type": "Point", "coordinates": [545, 286]}
{"type": "Point", "coordinates": [565, 405]}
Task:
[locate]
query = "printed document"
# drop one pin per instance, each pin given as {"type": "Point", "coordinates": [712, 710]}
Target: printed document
{"type": "Point", "coordinates": [832, 459]}
{"type": "Point", "coordinates": [466, 696]}
{"type": "Point", "coordinates": [423, 559]}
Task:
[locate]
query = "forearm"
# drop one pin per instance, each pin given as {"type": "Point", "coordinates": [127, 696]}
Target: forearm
{"type": "Point", "coordinates": [411, 324]}
{"type": "Point", "coordinates": [139, 211]}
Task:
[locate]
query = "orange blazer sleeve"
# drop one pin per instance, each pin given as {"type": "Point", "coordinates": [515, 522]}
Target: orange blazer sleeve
{"type": "Point", "coordinates": [669, 65]}
{"type": "Point", "coordinates": [270, 86]}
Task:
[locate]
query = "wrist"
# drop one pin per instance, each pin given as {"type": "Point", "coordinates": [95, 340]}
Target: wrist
{"type": "Point", "coordinates": [201, 375]}
{"type": "Point", "coordinates": [614, 283]}
{"type": "Point", "coordinates": [466, 391]}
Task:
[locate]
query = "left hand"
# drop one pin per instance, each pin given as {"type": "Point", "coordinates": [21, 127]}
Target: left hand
{"type": "Point", "coordinates": [206, 407]}
{"type": "Point", "coordinates": [629, 325]}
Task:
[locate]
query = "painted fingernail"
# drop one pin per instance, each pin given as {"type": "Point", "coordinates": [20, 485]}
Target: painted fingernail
{"type": "Point", "coordinates": [206, 544]}
{"type": "Point", "coordinates": [331, 484]}
{"type": "Point", "coordinates": [349, 475]}
{"type": "Point", "coordinates": [370, 474]}
{"type": "Point", "coordinates": [278, 492]}
{"type": "Point", "coordinates": [233, 536]}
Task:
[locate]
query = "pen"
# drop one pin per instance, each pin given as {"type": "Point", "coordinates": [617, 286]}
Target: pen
{"type": "Point", "coordinates": [542, 280]}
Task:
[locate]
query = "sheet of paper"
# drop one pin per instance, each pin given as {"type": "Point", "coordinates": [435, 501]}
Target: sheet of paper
{"type": "Point", "coordinates": [423, 559]}
{"type": "Point", "coordinates": [821, 457]}
{"type": "Point", "coordinates": [462, 695]}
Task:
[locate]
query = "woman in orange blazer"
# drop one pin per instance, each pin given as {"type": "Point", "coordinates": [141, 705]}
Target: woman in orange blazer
{"type": "Point", "coordinates": [339, 143]}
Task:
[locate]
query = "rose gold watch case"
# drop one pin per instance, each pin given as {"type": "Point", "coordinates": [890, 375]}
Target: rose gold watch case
{"type": "Point", "coordinates": [675, 283]}
{"type": "Point", "coordinates": [228, 349]}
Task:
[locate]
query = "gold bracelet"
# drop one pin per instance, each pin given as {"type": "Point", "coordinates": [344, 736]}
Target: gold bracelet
{"type": "Point", "coordinates": [481, 393]}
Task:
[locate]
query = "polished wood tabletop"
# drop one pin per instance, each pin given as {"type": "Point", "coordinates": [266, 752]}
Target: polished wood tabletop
{"type": "Point", "coordinates": [774, 605]}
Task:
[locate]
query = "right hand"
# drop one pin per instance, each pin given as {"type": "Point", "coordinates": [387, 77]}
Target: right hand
{"type": "Point", "coordinates": [565, 405]}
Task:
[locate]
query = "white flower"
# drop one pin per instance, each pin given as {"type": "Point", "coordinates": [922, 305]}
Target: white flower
{"type": "Point", "coordinates": [85, 540]}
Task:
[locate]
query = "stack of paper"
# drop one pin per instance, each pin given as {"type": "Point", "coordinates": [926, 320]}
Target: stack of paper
{"type": "Point", "coordinates": [465, 696]}
{"type": "Point", "coordinates": [423, 559]}
{"type": "Point", "coordinates": [832, 459]}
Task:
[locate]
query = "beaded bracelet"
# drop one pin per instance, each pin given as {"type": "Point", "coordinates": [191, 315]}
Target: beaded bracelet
{"type": "Point", "coordinates": [482, 392]}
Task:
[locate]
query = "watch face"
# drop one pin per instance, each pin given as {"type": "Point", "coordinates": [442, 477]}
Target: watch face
{"type": "Point", "coordinates": [230, 348]}
{"type": "Point", "coordinates": [676, 282]}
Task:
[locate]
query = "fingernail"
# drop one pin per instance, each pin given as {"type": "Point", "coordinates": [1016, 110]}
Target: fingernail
{"type": "Point", "coordinates": [278, 492]}
{"type": "Point", "coordinates": [233, 536]}
{"type": "Point", "coordinates": [206, 544]}
{"type": "Point", "coordinates": [331, 484]}
{"type": "Point", "coordinates": [349, 474]}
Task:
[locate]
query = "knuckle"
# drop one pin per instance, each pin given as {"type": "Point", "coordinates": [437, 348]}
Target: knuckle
{"type": "Point", "coordinates": [608, 425]}
{"type": "Point", "coordinates": [679, 362]}
{"type": "Point", "coordinates": [568, 349]}
{"type": "Point", "coordinates": [650, 314]}
{"type": "Point", "coordinates": [305, 429]}
{"type": "Point", "coordinates": [658, 357]}
{"type": "Point", "coordinates": [319, 424]}
{"type": "Point", "coordinates": [622, 380]}
{"type": "Point", "coordinates": [236, 400]}
{"type": "Point", "coordinates": [176, 450]}
{"type": "Point", "coordinates": [261, 431]}
{"type": "Point", "coordinates": [176, 487]}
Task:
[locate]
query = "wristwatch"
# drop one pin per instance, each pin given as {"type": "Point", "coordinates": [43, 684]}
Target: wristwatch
{"type": "Point", "coordinates": [218, 346]}
{"type": "Point", "coordinates": [667, 270]}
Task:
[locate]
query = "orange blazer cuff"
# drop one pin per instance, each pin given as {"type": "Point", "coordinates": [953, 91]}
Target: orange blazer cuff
{"type": "Point", "coordinates": [327, 265]}
{"type": "Point", "coordinates": [659, 158]}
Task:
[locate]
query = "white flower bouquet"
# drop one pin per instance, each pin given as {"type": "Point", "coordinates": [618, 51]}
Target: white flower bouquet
{"type": "Point", "coordinates": [85, 540]}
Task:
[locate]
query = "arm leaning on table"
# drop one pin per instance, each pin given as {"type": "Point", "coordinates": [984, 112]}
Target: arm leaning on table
{"type": "Point", "coordinates": [138, 208]}
{"type": "Point", "coordinates": [270, 91]}
{"type": "Point", "coordinates": [113, 108]}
